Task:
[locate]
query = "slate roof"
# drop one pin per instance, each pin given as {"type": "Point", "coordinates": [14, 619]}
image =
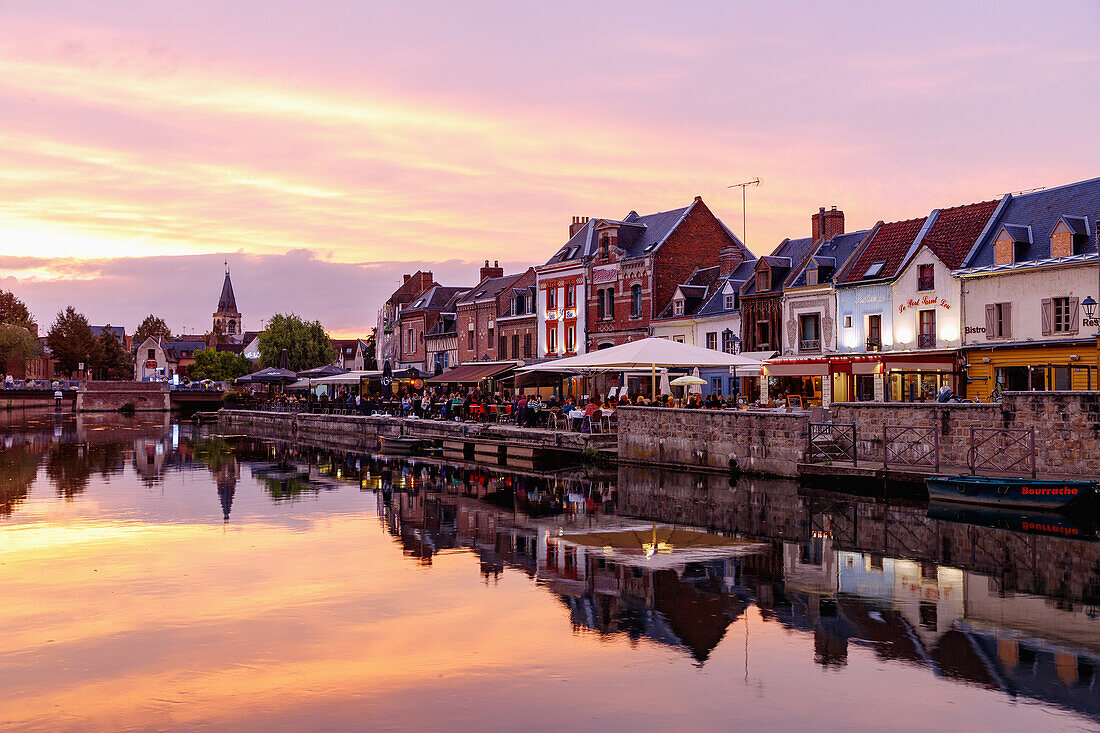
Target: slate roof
{"type": "Point", "coordinates": [781, 261]}
{"type": "Point", "coordinates": [696, 291]}
{"type": "Point", "coordinates": [434, 298]}
{"type": "Point", "coordinates": [954, 231]}
{"type": "Point", "coordinates": [175, 350]}
{"type": "Point", "coordinates": [831, 252]}
{"type": "Point", "coordinates": [118, 331]}
{"type": "Point", "coordinates": [638, 235]}
{"type": "Point", "coordinates": [1041, 211]}
{"type": "Point", "coordinates": [890, 244]}
{"type": "Point", "coordinates": [227, 302]}
{"type": "Point", "coordinates": [716, 303]}
{"type": "Point", "coordinates": [489, 288]}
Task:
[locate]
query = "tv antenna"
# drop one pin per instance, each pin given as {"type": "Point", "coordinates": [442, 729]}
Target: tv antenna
{"type": "Point", "coordinates": [744, 212]}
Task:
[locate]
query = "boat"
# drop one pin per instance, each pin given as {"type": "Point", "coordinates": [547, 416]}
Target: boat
{"type": "Point", "coordinates": [1045, 523]}
{"type": "Point", "coordinates": [1026, 493]}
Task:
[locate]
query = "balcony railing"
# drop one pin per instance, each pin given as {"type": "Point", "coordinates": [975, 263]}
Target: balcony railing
{"type": "Point", "coordinates": [809, 345]}
{"type": "Point", "coordinates": [874, 343]}
{"type": "Point", "coordinates": [926, 283]}
{"type": "Point", "coordinates": [926, 340]}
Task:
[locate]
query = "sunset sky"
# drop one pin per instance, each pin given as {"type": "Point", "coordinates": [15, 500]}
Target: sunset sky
{"type": "Point", "coordinates": [325, 147]}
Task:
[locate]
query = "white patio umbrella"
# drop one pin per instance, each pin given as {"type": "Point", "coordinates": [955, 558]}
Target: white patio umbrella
{"type": "Point", "coordinates": [648, 353]}
{"type": "Point", "coordinates": [665, 388]}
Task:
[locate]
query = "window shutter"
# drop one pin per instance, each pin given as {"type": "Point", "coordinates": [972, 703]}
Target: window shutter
{"type": "Point", "coordinates": [990, 322]}
{"type": "Point", "coordinates": [1074, 315]}
{"type": "Point", "coordinates": [1046, 316]}
{"type": "Point", "coordinates": [1006, 320]}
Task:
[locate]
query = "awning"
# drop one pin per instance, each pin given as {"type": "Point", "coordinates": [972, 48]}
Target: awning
{"type": "Point", "coordinates": [920, 362]}
{"type": "Point", "coordinates": [797, 368]}
{"type": "Point", "coordinates": [865, 367]}
{"type": "Point", "coordinates": [471, 373]}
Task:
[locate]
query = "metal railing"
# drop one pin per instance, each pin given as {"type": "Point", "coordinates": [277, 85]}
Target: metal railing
{"type": "Point", "coordinates": [828, 442]}
{"type": "Point", "coordinates": [926, 283]}
{"type": "Point", "coordinates": [926, 340]}
{"type": "Point", "coordinates": [910, 446]}
{"type": "Point", "coordinates": [1004, 450]}
{"type": "Point", "coordinates": [874, 344]}
{"type": "Point", "coordinates": [809, 345]}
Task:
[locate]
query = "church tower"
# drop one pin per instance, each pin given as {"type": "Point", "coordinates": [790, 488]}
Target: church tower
{"type": "Point", "coordinates": [227, 319]}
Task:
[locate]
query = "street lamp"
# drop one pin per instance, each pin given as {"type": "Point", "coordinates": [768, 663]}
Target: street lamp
{"type": "Point", "coordinates": [1090, 307]}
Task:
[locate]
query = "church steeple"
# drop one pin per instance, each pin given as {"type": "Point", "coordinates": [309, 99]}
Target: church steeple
{"type": "Point", "coordinates": [227, 319]}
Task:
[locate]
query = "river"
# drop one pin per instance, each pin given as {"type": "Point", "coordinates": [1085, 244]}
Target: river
{"type": "Point", "coordinates": [159, 576]}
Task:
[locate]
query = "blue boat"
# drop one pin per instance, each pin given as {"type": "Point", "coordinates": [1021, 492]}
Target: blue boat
{"type": "Point", "coordinates": [1011, 492]}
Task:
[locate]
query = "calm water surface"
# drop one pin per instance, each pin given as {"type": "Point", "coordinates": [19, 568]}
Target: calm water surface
{"type": "Point", "coordinates": [159, 578]}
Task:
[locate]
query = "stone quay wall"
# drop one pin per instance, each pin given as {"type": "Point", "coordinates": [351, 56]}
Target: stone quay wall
{"type": "Point", "coordinates": [1066, 424]}
{"type": "Point", "coordinates": [363, 432]}
{"type": "Point", "coordinates": [757, 441]}
{"type": "Point", "coordinates": [112, 396]}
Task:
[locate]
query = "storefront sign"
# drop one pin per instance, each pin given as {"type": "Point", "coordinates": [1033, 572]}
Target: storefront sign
{"type": "Point", "coordinates": [607, 274]}
{"type": "Point", "coordinates": [927, 300]}
{"type": "Point", "coordinates": [974, 329]}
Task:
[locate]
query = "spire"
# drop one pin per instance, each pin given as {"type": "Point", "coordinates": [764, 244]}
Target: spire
{"type": "Point", "coordinates": [227, 303]}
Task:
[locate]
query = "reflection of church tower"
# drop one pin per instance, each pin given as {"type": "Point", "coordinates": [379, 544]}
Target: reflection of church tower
{"type": "Point", "coordinates": [227, 319]}
{"type": "Point", "coordinates": [226, 479]}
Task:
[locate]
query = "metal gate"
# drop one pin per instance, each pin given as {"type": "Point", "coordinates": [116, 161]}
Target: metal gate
{"type": "Point", "coordinates": [830, 442]}
{"type": "Point", "coordinates": [1003, 450]}
{"type": "Point", "coordinates": [911, 446]}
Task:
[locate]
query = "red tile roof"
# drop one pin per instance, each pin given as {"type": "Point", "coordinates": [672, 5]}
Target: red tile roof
{"type": "Point", "coordinates": [956, 230]}
{"type": "Point", "coordinates": [890, 243]}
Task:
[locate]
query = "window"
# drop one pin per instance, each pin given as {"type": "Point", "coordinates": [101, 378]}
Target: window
{"type": "Point", "coordinates": [712, 340]}
{"type": "Point", "coordinates": [763, 335]}
{"type": "Point", "coordinates": [232, 327]}
{"type": "Point", "coordinates": [552, 341]}
{"type": "Point", "coordinates": [570, 297]}
{"type": "Point", "coordinates": [527, 346]}
{"type": "Point", "coordinates": [678, 307]}
{"type": "Point", "coordinates": [599, 304]}
{"type": "Point", "coordinates": [678, 339]}
{"type": "Point", "coordinates": [471, 341]}
{"type": "Point", "coordinates": [503, 347]}
{"type": "Point", "coordinates": [409, 340]}
{"type": "Point", "coordinates": [571, 339]}
{"type": "Point", "coordinates": [731, 301]}
{"type": "Point", "coordinates": [763, 281]}
{"type": "Point", "coordinates": [874, 332]}
{"type": "Point", "coordinates": [551, 299]}
{"type": "Point", "coordinates": [1061, 315]}
{"type": "Point", "coordinates": [809, 332]}
{"type": "Point", "coordinates": [998, 320]}
{"type": "Point", "coordinates": [515, 345]}
{"type": "Point", "coordinates": [847, 321]}
{"type": "Point", "coordinates": [152, 354]}
{"type": "Point", "coordinates": [716, 385]}
{"type": "Point", "coordinates": [519, 306]}
{"type": "Point", "coordinates": [874, 270]}
{"type": "Point", "coordinates": [927, 337]}
{"type": "Point", "coordinates": [635, 301]}
{"type": "Point", "coordinates": [604, 242]}
{"type": "Point", "coordinates": [490, 338]}
{"type": "Point", "coordinates": [926, 277]}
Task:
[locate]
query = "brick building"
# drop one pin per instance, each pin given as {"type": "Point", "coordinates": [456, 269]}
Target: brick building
{"type": "Point", "coordinates": [479, 311]}
{"type": "Point", "coordinates": [517, 326]}
{"type": "Point", "coordinates": [389, 315]}
{"type": "Point", "coordinates": [441, 341]}
{"type": "Point", "coordinates": [418, 319]}
{"type": "Point", "coordinates": [640, 261]}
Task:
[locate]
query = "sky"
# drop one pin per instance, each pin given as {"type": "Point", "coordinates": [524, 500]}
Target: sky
{"type": "Point", "coordinates": [325, 148]}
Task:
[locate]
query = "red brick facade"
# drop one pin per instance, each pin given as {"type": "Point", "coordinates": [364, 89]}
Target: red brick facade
{"type": "Point", "coordinates": [696, 242]}
{"type": "Point", "coordinates": [480, 329]}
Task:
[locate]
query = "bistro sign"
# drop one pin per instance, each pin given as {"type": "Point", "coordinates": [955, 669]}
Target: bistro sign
{"type": "Point", "coordinates": [927, 300]}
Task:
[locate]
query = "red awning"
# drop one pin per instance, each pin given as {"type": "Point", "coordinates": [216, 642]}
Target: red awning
{"type": "Point", "coordinates": [471, 373]}
{"type": "Point", "coordinates": [797, 367]}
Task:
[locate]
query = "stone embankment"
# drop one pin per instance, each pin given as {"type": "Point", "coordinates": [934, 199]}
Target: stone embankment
{"type": "Point", "coordinates": [1066, 425]}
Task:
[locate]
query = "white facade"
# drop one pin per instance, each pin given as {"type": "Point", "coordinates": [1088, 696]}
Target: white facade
{"type": "Point", "coordinates": [560, 301]}
{"type": "Point", "coordinates": [682, 330]}
{"type": "Point", "coordinates": [815, 304]}
{"type": "Point", "coordinates": [151, 361]}
{"type": "Point", "coordinates": [936, 309]}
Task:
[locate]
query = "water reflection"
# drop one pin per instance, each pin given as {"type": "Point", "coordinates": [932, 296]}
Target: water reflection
{"type": "Point", "coordinates": [229, 581]}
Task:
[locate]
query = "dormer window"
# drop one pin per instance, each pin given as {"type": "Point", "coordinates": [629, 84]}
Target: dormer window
{"type": "Point", "coordinates": [763, 281]}
{"type": "Point", "coordinates": [1069, 237]}
{"type": "Point", "coordinates": [678, 307]}
{"type": "Point", "coordinates": [605, 241]}
{"type": "Point", "coordinates": [811, 275]}
{"type": "Point", "coordinates": [1012, 244]}
{"type": "Point", "coordinates": [731, 301]}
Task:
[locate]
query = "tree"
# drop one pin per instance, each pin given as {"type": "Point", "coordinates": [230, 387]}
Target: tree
{"type": "Point", "coordinates": [14, 311]}
{"type": "Point", "coordinates": [17, 345]}
{"type": "Point", "coordinates": [71, 341]}
{"type": "Point", "coordinates": [151, 325]}
{"type": "Point", "coordinates": [109, 359]}
{"type": "Point", "coordinates": [306, 343]}
{"type": "Point", "coordinates": [368, 353]}
{"type": "Point", "coordinates": [221, 366]}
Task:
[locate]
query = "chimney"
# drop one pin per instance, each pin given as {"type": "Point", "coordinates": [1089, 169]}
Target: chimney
{"type": "Point", "coordinates": [729, 258]}
{"type": "Point", "coordinates": [827, 224]}
{"type": "Point", "coordinates": [407, 278]}
{"type": "Point", "coordinates": [577, 224]}
{"type": "Point", "coordinates": [494, 271]}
